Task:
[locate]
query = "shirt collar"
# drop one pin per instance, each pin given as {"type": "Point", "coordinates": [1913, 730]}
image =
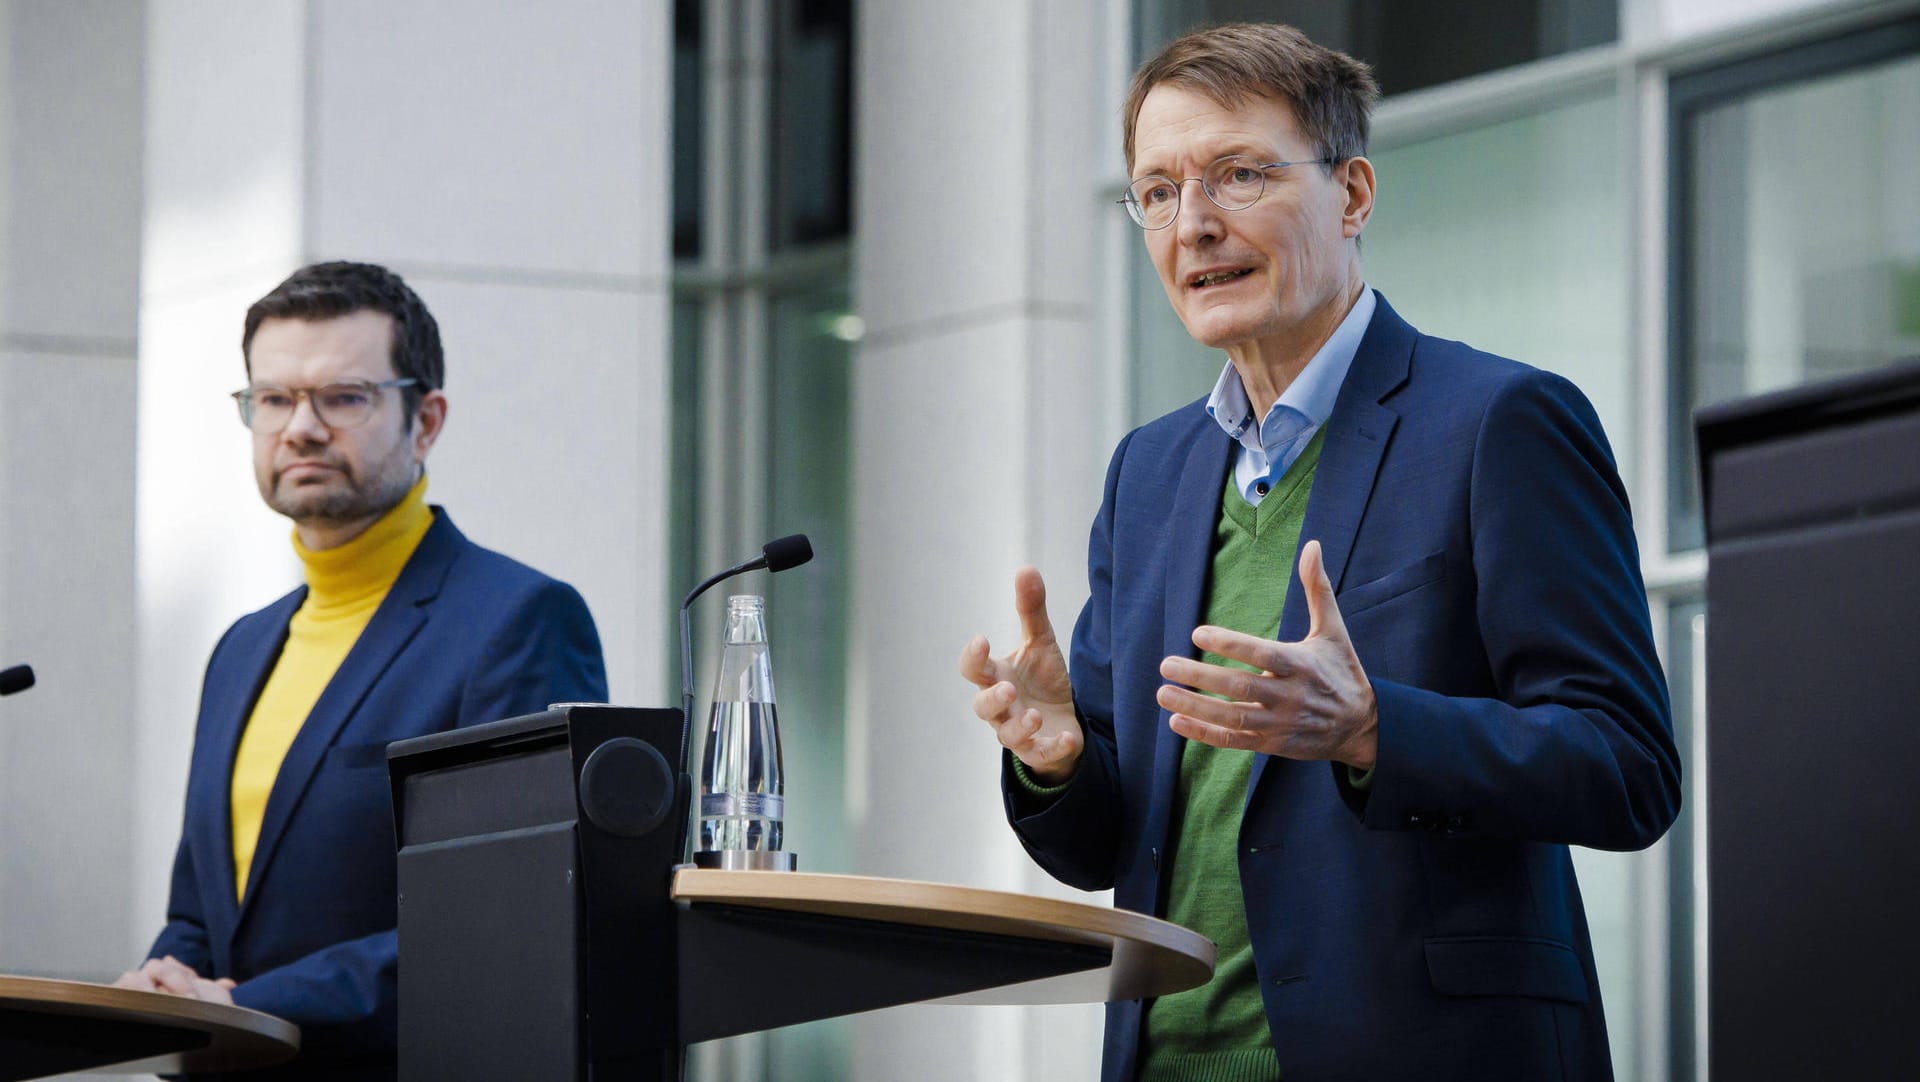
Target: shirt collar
{"type": "Point", "coordinates": [1308, 400]}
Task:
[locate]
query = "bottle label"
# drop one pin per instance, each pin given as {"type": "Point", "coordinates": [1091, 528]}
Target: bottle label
{"type": "Point", "coordinates": [742, 806]}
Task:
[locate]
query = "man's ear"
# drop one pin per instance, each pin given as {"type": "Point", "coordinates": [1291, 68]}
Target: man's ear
{"type": "Point", "coordinates": [429, 418]}
{"type": "Point", "coordinates": [1359, 183]}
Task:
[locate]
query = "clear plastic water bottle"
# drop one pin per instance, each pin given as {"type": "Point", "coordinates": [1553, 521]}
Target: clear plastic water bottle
{"type": "Point", "coordinates": [741, 795]}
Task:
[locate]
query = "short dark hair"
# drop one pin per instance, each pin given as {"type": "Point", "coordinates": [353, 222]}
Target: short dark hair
{"type": "Point", "coordinates": [1331, 94]}
{"type": "Point", "coordinates": [329, 290]}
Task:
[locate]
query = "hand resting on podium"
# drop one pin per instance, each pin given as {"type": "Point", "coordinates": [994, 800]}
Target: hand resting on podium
{"type": "Point", "coordinates": [174, 977]}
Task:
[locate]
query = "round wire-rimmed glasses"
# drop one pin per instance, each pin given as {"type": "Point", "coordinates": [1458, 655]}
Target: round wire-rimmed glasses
{"type": "Point", "coordinates": [1234, 182]}
{"type": "Point", "coordinates": [346, 404]}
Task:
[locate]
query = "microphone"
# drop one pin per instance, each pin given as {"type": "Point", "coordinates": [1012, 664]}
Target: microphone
{"type": "Point", "coordinates": [20, 677]}
{"type": "Point", "coordinates": [777, 555]}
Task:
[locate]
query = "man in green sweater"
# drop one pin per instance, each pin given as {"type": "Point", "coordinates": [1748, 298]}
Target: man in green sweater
{"type": "Point", "coordinates": [1360, 780]}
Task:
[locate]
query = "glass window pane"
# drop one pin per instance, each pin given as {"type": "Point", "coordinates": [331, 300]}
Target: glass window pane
{"type": "Point", "coordinates": [1512, 237]}
{"type": "Point", "coordinates": [1410, 43]}
{"type": "Point", "coordinates": [1802, 227]}
{"type": "Point", "coordinates": [811, 195]}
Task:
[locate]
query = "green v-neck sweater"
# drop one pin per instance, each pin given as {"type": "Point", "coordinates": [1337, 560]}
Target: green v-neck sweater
{"type": "Point", "coordinates": [1218, 1031]}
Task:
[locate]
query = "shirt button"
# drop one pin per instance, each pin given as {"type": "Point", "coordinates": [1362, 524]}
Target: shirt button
{"type": "Point", "coordinates": [1261, 487]}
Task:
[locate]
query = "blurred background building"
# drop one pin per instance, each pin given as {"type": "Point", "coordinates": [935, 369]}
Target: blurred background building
{"type": "Point", "coordinates": [717, 270]}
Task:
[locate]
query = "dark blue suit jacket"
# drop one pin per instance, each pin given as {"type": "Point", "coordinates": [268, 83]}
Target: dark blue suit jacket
{"type": "Point", "coordinates": [1479, 541]}
{"type": "Point", "coordinates": [464, 636]}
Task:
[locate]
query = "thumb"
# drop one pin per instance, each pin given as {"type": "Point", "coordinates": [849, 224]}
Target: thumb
{"type": "Point", "coordinates": [1323, 612]}
{"type": "Point", "coordinates": [1030, 601]}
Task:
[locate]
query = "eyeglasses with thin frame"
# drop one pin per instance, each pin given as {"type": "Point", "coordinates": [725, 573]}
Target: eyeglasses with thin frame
{"type": "Point", "coordinates": [1234, 182]}
{"type": "Point", "coordinates": [346, 404]}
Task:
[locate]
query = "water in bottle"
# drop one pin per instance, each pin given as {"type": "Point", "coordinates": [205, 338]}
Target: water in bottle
{"type": "Point", "coordinates": [741, 794]}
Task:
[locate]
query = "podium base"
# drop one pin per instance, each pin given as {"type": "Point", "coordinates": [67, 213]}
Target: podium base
{"type": "Point", "coordinates": [745, 860]}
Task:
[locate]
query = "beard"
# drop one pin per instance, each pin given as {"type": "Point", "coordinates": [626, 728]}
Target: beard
{"type": "Point", "coordinates": [342, 497]}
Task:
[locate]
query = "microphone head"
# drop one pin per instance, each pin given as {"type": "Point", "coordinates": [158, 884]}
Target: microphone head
{"type": "Point", "coordinates": [18, 678]}
{"type": "Point", "coordinates": [789, 551]}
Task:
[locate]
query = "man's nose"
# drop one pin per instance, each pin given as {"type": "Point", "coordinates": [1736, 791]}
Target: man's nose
{"type": "Point", "coordinates": [1196, 220]}
{"type": "Point", "coordinates": [304, 424]}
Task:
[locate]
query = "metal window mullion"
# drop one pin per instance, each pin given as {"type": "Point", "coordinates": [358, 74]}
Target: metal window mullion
{"type": "Point", "coordinates": [751, 422]}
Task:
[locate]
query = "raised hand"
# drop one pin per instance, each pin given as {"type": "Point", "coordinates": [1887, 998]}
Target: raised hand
{"type": "Point", "coordinates": [1025, 694]}
{"type": "Point", "coordinates": [1310, 699]}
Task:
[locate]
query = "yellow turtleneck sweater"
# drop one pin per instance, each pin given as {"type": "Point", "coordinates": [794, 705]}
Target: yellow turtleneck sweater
{"type": "Point", "coordinates": [345, 585]}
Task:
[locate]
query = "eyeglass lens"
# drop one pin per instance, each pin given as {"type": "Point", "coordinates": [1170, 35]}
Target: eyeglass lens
{"type": "Point", "coordinates": [1232, 183]}
{"type": "Point", "coordinates": [337, 405]}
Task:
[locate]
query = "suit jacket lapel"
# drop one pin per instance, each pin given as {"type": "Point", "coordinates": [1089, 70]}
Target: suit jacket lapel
{"type": "Point", "coordinates": [1356, 440]}
{"type": "Point", "coordinates": [399, 618]}
{"type": "Point", "coordinates": [1190, 527]}
{"type": "Point", "coordinates": [227, 710]}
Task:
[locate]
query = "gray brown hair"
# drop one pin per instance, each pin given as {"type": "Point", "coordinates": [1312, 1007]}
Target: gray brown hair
{"type": "Point", "coordinates": [1330, 93]}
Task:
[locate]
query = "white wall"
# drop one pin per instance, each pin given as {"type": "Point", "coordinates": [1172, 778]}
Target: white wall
{"type": "Point", "coordinates": [509, 161]}
{"type": "Point", "coordinates": [982, 391]}
{"type": "Point", "coordinates": [70, 135]}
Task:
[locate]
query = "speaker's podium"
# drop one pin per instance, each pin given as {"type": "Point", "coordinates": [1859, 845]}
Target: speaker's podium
{"type": "Point", "coordinates": [548, 930]}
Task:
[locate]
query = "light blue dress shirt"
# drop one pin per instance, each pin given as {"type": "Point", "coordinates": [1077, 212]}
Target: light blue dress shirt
{"type": "Point", "coordinates": [1269, 447]}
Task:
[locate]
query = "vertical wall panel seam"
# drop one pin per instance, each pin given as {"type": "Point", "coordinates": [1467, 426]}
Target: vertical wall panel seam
{"type": "Point", "coordinates": [310, 132]}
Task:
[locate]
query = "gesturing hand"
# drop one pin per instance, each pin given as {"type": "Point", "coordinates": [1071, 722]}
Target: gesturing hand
{"type": "Point", "coordinates": [1025, 695]}
{"type": "Point", "coordinates": [1310, 699]}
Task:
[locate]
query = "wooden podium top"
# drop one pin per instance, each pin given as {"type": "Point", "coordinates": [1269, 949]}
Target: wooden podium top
{"type": "Point", "coordinates": [1150, 957]}
{"type": "Point", "coordinates": [56, 1026]}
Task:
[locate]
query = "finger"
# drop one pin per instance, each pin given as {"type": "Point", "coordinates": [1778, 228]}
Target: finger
{"type": "Point", "coordinates": [1323, 610]}
{"type": "Point", "coordinates": [1017, 733]}
{"type": "Point", "coordinates": [134, 980]}
{"type": "Point", "coordinates": [227, 982]}
{"type": "Point", "coordinates": [991, 703]}
{"type": "Point", "coordinates": [1064, 745]}
{"type": "Point", "coordinates": [977, 664]}
{"type": "Point", "coordinates": [175, 980]}
{"type": "Point", "coordinates": [1261, 653]}
{"type": "Point", "coordinates": [1206, 732]}
{"type": "Point", "coordinates": [1232, 682]}
{"type": "Point", "coordinates": [1030, 601]}
{"type": "Point", "coordinates": [1230, 715]}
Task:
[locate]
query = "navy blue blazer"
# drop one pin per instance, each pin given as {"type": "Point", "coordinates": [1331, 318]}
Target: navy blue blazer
{"type": "Point", "coordinates": [465, 636]}
{"type": "Point", "coordinates": [1480, 545]}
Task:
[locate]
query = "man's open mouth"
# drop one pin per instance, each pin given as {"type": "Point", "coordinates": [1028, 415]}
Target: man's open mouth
{"type": "Point", "coordinates": [1214, 278]}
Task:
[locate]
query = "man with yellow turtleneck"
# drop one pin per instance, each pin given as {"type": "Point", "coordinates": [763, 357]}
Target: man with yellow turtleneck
{"type": "Point", "coordinates": [283, 894]}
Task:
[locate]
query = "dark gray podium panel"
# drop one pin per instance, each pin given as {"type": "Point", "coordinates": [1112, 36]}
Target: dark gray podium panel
{"type": "Point", "coordinates": [1813, 756]}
